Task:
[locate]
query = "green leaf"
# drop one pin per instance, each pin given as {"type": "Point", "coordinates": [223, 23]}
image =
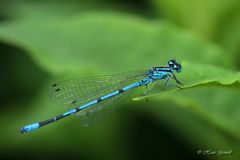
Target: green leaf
{"type": "Point", "coordinates": [217, 109]}
{"type": "Point", "coordinates": [88, 40]}
{"type": "Point", "coordinates": [194, 74]}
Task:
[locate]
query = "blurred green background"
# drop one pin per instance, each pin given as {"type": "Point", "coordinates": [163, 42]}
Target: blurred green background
{"type": "Point", "coordinates": [46, 41]}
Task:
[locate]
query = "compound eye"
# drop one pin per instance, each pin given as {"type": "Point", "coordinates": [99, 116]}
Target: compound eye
{"type": "Point", "coordinates": [170, 63]}
{"type": "Point", "coordinates": [179, 67]}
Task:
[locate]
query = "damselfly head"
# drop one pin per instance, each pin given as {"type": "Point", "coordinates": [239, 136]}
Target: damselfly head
{"type": "Point", "coordinates": [173, 65]}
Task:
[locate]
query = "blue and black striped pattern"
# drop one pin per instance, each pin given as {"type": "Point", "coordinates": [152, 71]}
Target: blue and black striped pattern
{"type": "Point", "coordinates": [74, 92]}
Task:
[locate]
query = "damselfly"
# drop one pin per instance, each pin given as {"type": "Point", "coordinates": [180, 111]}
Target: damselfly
{"type": "Point", "coordinates": [87, 93]}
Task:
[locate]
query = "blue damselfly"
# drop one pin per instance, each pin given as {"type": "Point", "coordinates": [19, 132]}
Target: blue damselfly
{"type": "Point", "coordinates": [86, 93]}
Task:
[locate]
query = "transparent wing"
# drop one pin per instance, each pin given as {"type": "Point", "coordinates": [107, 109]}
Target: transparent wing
{"type": "Point", "coordinates": [81, 90]}
{"type": "Point", "coordinates": [97, 112]}
{"type": "Point", "coordinates": [101, 110]}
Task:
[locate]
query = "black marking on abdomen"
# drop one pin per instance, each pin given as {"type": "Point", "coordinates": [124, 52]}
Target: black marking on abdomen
{"type": "Point", "coordinates": [99, 100]}
{"type": "Point", "coordinates": [59, 117]}
{"type": "Point", "coordinates": [46, 122]}
{"type": "Point", "coordinates": [121, 90]}
{"type": "Point", "coordinates": [77, 109]}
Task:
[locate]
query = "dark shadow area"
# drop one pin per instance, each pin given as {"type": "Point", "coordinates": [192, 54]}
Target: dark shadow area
{"type": "Point", "coordinates": [148, 138]}
{"type": "Point", "coordinates": [20, 78]}
{"type": "Point", "coordinates": [31, 155]}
